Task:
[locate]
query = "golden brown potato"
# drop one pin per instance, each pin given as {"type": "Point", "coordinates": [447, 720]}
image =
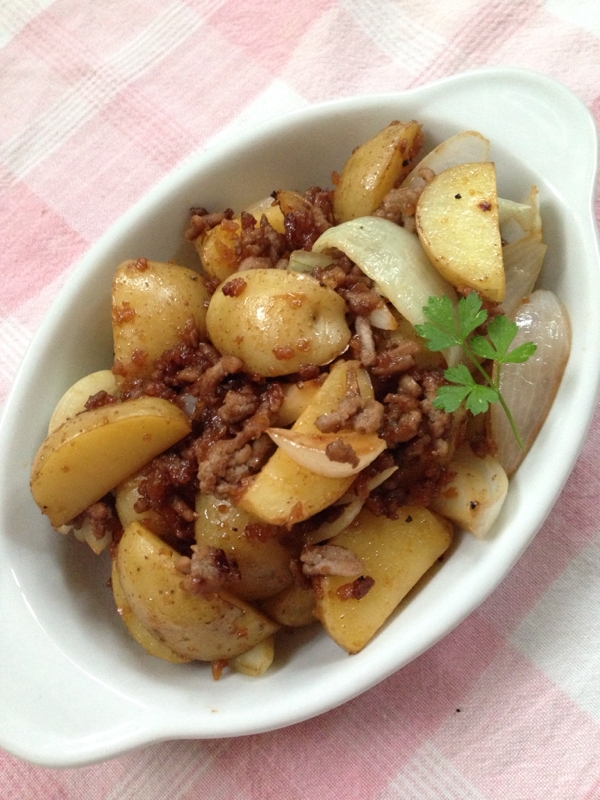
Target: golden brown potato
{"type": "Point", "coordinates": [218, 626]}
{"type": "Point", "coordinates": [263, 562]}
{"type": "Point", "coordinates": [149, 642]}
{"type": "Point", "coordinates": [374, 168]}
{"type": "Point", "coordinates": [457, 223]}
{"type": "Point", "coordinates": [297, 397]}
{"type": "Point", "coordinates": [277, 321]}
{"type": "Point", "coordinates": [93, 452]}
{"type": "Point", "coordinates": [74, 399]}
{"type": "Point", "coordinates": [395, 554]}
{"type": "Point", "coordinates": [217, 251]}
{"type": "Point", "coordinates": [151, 305]}
{"type": "Point", "coordinates": [283, 492]}
{"type": "Point", "coordinates": [218, 248]}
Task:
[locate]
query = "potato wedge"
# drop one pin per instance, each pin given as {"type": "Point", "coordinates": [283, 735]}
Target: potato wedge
{"type": "Point", "coordinates": [297, 397]}
{"type": "Point", "coordinates": [283, 492]}
{"type": "Point", "coordinates": [151, 304]}
{"type": "Point", "coordinates": [374, 168]}
{"type": "Point", "coordinates": [93, 452]}
{"type": "Point", "coordinates": [74, 399]}
{"type": "Point", "coordinates": [264, 564]}
{"type": "Point", "coordinates": [396, 554]}
{"type": "Point", "coordinates": [149, 642]}
{"type": "Point", "coordinates": [457, 223]}
{"type": "Point", "coordinates": [219, 626]}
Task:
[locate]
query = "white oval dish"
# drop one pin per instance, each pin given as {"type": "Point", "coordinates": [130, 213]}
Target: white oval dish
{"type": "Point", "coordinates": [74, 687]}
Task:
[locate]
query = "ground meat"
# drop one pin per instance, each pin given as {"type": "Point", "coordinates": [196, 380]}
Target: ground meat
{"type": "Point", "coordinates": [342, 453]}
{"type": "Point", "coordinates": [99, 400]}
{"type": "Point", "coordinates": [202, 221]}
{"type": "Point", "coordinates": [102, 519]}
{"type": "Point", "coordinates": [366, 342]}
{"type": "Point", "coordinates": [396, 358]}
{"type": "Point", "coordinates": [259, 245]}
{"type": "Point", "coordinates": [329, 559]}
{"type": "Point", "coordinates": [357, 589]}
{"type": "Point", "coordinates": [308, 219]}
{"type": "Point", "coordinates": [224, 461]}
{"type": "Point", "coordinates": [234, 287]}
{"type": "Point", "coordinates": [208, 570]}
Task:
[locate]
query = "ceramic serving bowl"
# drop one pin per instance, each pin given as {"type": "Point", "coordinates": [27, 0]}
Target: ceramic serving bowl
{"type": "Point", "coordinates": [74, 687]}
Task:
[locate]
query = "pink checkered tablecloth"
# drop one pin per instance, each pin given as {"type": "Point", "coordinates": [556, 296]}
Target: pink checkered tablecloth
{"type": "Point", "coordinates": [98, 102]}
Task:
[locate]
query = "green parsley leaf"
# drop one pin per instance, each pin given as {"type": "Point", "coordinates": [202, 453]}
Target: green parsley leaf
{"type": "Point", "coordinates": [446, 327]}
{"type": "Point", "coordinates": [470, 315]}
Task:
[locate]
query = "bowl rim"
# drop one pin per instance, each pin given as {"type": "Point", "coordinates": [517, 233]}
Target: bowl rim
{"type": "Point", "coordinates": [147, 731]}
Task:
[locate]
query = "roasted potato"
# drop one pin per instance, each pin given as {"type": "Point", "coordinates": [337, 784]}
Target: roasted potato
{"type": "Point", "coordinates": [263, 562]}
{"type": "Point", "coordinates": [206, 628]}
{"type": "Point", "coordinates": [74, 399]}
{"type": "Point", "coordinates": [457, 223]}
{"type": "Point", "coordinates": [395, 554]}
{"type": "Point", "coordinates": [142, 635]}
{"type": "Point", "coordinates": [93, 452]}
{"type": "Point", "coordinates": [283, 492]}
{"type": "Point", "coordinates": [374, 168]}
{"type": "Point", "coordinates": [277, 321]}
{"type": "Point", "coordinates": [151, 305]}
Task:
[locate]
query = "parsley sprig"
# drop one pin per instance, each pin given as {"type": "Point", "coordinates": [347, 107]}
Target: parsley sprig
{"type": "Point", "coordinates": [445, 328]}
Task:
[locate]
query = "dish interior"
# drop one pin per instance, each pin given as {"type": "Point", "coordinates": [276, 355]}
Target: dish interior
{"type": "Point", "coordinates": [75, 688]}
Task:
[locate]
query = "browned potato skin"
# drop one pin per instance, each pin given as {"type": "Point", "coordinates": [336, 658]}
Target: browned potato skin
{"type": "Point", "coordinates": [204, 628]}
{"type": "Point", "coordinates": [374, 168]}
{"type": "Point", "coordinates": [396, 554]}
{"type": "Point", "coordinates": [150, 643]}
{"type": "Point", "coordinates": [152, 303]}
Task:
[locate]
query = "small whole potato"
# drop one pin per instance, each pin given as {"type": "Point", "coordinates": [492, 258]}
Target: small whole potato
{"type": "Point", "coordinates": [152, 302]}
{"type": "Point", "coordinates": [277, 321]}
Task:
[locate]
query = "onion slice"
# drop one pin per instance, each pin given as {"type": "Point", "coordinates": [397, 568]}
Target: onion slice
{"type": "Point", "coordinates": [309, 450]}
{"type": "Point", "coordinates": [352, 506]}
{"type": "Point", "coordinates": [523, 260]}
{"type": "Point", "coordinates": [467, 147]}
{"type": "Point", "coordinates": [395, 260]}
{"type": "Point", "coordinates": [474, 496]}
{"type": "Point", "coordinates": [529, 389]}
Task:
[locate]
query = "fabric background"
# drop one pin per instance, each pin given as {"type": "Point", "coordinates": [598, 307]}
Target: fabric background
{"type": "Point", "coordinates": [98, 101]}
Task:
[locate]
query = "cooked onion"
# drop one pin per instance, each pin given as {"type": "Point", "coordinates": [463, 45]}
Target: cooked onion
{"type": "Point", "coordinates": [529, 389]}
{"type": "Point", "coordinates": [307, 260]}
{"type": "Point", "coordinates": [352, 507]}
{"type": "Point", "coordinates": [383, 319]}
{"type": "Point", "coordinates": [523, 260]}
{"type": "Point", "coordinates": [475, 494]}
{"type": "Point", "coordinates": [310, 450]}
{"type": "Point", "coordinates": [466, 147]}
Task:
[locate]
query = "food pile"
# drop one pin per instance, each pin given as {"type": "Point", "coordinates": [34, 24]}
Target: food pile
{"type": "Point", "coordinates": [293, 432]}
